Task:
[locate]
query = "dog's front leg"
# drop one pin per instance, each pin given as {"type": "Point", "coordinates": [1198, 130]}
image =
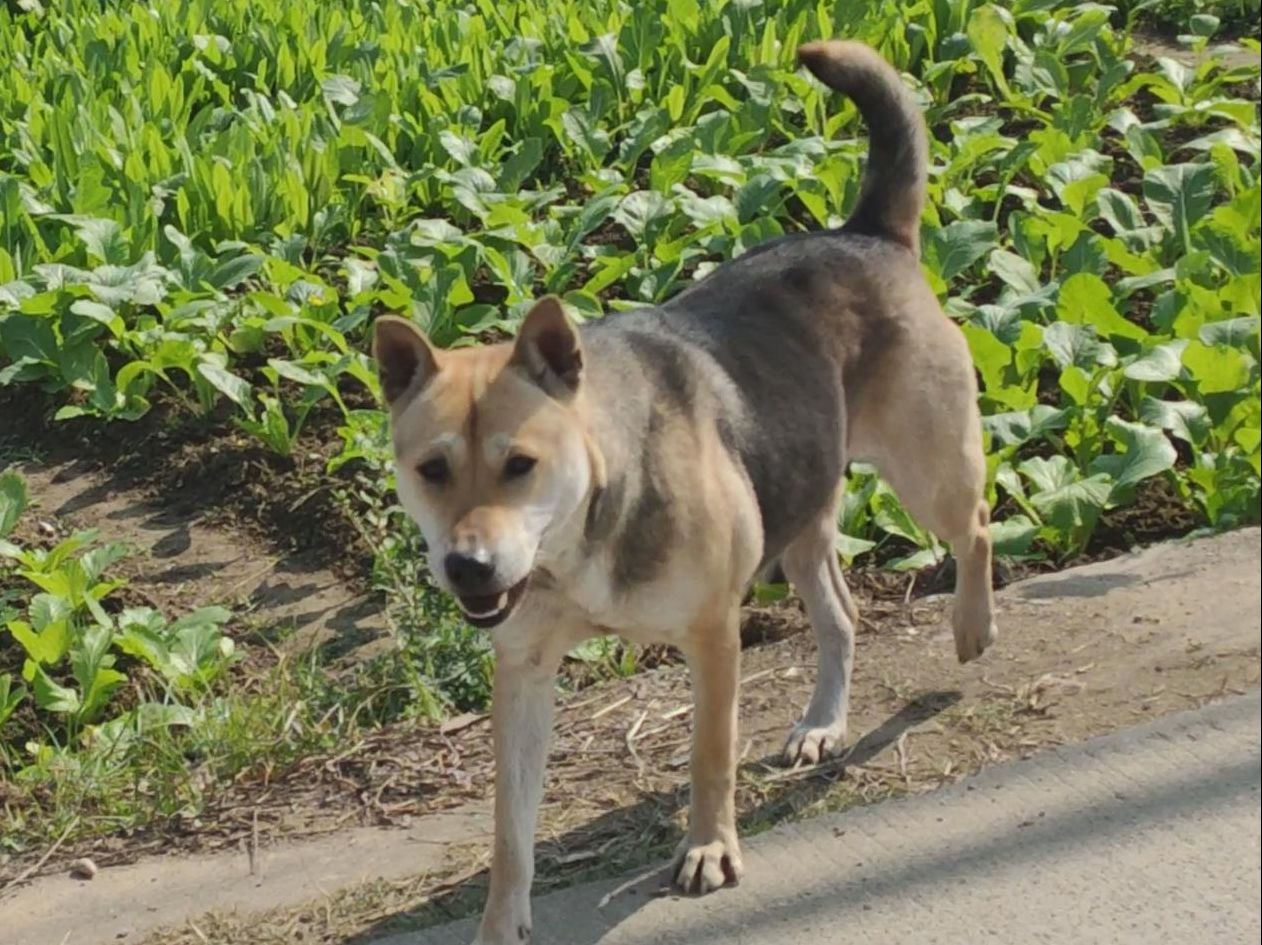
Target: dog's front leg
{"type": "Point", "coordinates": [521, 717]}
{"type": "Point", "coordinates": [710, 855]}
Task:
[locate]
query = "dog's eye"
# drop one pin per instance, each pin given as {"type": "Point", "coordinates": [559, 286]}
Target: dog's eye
{"type": "Point", "coordinates": [518, 466]}
{"type": "Point", "coordinates": [434, 471]}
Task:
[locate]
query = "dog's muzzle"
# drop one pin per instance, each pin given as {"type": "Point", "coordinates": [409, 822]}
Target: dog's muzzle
{"type": "Point", "coordinates": [477, 589]}
{"type": "Point", "coordinates": [485, 611]}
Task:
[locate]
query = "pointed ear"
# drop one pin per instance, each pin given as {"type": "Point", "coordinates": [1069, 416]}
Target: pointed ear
{"type": "Point", "coordinates": [548, 348]}
{"type": "Point", "coordinates": [404, 356]}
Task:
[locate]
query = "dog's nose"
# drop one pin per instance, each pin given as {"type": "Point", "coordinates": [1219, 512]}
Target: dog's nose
{"type": "Point", "coordinates": [468, 573]}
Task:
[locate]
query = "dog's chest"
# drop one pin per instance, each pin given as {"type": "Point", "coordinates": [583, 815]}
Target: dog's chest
{"type": "Point", "coordinates": [656, 611]}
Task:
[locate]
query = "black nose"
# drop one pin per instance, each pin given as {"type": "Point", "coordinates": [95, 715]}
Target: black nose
{"type": "Point", "coordinates": [467, 573]}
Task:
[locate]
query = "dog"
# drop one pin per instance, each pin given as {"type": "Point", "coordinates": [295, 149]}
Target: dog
{"type": "Point", "coordinates": [634, 475]}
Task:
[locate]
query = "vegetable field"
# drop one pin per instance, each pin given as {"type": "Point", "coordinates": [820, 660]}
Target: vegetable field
{"type": "Point", "coordinates": [203, 205]}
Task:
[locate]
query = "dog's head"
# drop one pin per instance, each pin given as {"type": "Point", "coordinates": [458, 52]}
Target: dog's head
{"type": "Point", "coordinates": [491, 454]}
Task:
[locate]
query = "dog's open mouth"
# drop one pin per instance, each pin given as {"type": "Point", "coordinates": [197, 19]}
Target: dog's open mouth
{"type": "Point", "coordinates": [490, 610]}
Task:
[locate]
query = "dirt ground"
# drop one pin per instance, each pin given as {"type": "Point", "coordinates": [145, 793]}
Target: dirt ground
{"type": "Point", "coordinates": [400, 818]}
{"type": "Point", "coordinates": [185, 559]}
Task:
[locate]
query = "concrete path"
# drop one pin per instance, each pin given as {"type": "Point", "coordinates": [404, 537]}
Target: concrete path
{"type": "Point", "coordinates": [1147, 835]}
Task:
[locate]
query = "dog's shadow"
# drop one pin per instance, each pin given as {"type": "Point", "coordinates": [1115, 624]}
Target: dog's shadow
{"type": "Point", "coordinates": [611, 903]}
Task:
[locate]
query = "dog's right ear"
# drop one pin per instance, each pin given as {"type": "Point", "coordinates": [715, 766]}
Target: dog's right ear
{"type": "Point", "coordinates": [405, 358]}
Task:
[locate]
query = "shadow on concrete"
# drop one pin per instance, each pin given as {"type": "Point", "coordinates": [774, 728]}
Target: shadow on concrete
{"type": "Point", "coordinates": [1077, 585]}
{"type": "Point", "coordinates": [1056, 833]}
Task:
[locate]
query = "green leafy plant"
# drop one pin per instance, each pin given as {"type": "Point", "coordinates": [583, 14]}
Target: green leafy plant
{"type": "Point", "coordinates": [214, 217]}
{"type": "Point", "coordinates": [72, 646]}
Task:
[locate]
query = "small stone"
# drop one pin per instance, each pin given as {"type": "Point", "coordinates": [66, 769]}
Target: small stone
{"type": "Point", "coordinates": [83, 869]}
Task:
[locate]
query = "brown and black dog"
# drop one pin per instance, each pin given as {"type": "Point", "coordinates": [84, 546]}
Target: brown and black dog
{"type": "Point", "coordinates": [634, 475]}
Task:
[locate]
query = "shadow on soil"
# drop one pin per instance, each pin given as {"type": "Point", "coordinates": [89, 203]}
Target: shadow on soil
{"type": "Point", "coordinates": [651, 820]}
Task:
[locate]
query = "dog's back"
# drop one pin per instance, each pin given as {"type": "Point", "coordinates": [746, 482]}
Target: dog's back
{"type": "Point", "coordinates": [779, 344]}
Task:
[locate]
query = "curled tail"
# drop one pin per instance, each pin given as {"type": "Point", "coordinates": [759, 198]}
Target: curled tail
{"type": "Point", "coordinates": [893, 191]}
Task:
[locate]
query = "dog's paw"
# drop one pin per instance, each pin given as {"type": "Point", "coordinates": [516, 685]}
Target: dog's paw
{"type": "Point", "coordinates": [811, 744]}
{"type": "Point", "coordinates": [972, 639]}
{"type": "Point", "coordinates": [518, 936]}
{"type": "Point", "coordinates": [504, 929]}
{"type": "Point", "coordinates": [702, 867]}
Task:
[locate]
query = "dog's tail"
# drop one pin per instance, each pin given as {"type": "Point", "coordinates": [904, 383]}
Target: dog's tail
{"type": "Point", "coordinates": [893, 191]}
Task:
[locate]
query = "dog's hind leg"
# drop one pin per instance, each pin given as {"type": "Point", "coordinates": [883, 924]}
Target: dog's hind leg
{"type": "Point", "coordinates": [945, 494]}
{"type": "Point", "coordinates": [810, 563]}
{"type": "Point", "coordinates": [924, 437]}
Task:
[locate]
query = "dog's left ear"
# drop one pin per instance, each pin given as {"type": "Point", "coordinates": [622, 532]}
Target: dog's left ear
{"type": "Point", "coordinates": [548, 348]}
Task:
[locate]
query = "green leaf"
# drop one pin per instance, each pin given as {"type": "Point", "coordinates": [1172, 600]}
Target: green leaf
{"type": "Point", "coordinates": [991, 355]}
{"type": "Point", "coordinates": [1231, 332]}
{"type": "Point", "coordinates": [95, 562]}
{"type": "Point", "coordinates": [203, 616]}
{"type": "Point", "coordinates": [1179, 195]}
{"type": "Point", "coordinates": [583, 131]}
{"type": "Point", "coordinates": [850, 547]}
{"type": "Point", "coordinates": [13, 501]}
{"type": "Point", "coordinates": [1085, 299]}
{"type": "Point", "coordinates": [340, 89]}
{"type": "Point", "coordinates": [47, 609]}
{"type": "Point", "coordinates": [1016, 271]}
{"type": "Point", "coordinates": [1071, 503]}
{"type": "Point", "coordinates": [1145, 451]}
{"type": "Point", "coordinates": [54, 697]}
{"type": "Point", "coordinates": [642, 213]}
{"type": "Point", "coordinates": [951, 249]}
{"type": "Point", "coordinates": [988, 34]}
{"type": "Point", "coordinates": [98, 313]}
{"type": "Point", "coordinates": [234, 388]}
{"type": "Point", "coordinates": [198, 653]}
{"type": "Point", "coordinates": [297, 373]}
{"type": "Point", "coordinates": [1078, 345]}
{"type": "Point", "coordinates": [91, 663]}
{"type": "Point", "coordinates": [10, 697]}
{"type": "Point", "coordinates": [1014, 536]}
{"type": "Point", "coordinates": [1204, 24]}
{"type": "Point", "coordinates": [1012, 428]}
{"type": "Point", "coordinates": [1216, 369]}
{"type": "Point", "coordinates": [25, 336]}
{"type": "Point", "coordinates": [460, 148]}
{"type": "Point", "coordinates": [518, 167]}
{"type": "Point", "coordinates": [47, 646]}
{"type": "Point", "coordinates": [1185, 419]}
{"type": "Point", "coordinates": [924, 558]}
{"type": "Point", "coordinates": [1160, 363]}
{"type": "Point", "coordinates": [232, 272]}
{"type": "Point", "coordinates": [104, 240]}
{"type": "Point", "coordinates": [1077, 181]}
{"type": "Point", "coordinates": [1119, 211]}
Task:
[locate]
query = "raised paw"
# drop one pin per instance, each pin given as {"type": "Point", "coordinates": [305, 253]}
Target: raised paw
{"type": "Point", "coordinates": [972, 639]}
{"type": "Point", "coordinates": [811, 744]}
{"type": "Point", "coordinates": [702, 867]}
